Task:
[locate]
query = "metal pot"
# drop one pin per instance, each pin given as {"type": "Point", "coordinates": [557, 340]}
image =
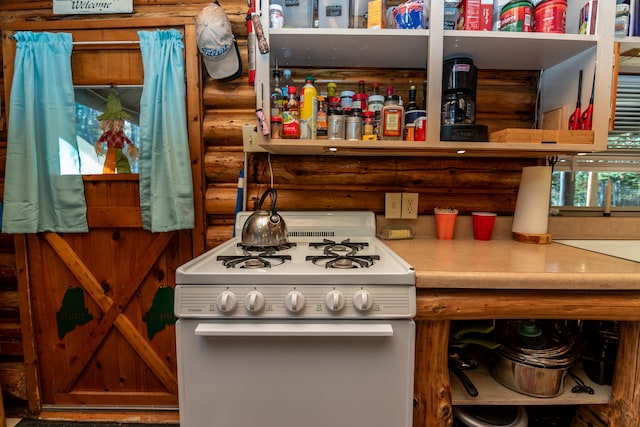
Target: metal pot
{"type": "Point", "coordinates": [531, 362]}
{"type": "Point", "coordinates": [265, 228]}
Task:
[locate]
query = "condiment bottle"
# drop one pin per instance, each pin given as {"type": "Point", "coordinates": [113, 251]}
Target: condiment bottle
{"type": "Point", "coordinates": [321, 117]}
{"type": "Point", "coordinates": [290, 119]}
{"type": "Point", "coordinates": [287, 81]}
{"type": "Point", "coordinates": [308, 110]}
{"type": "Point", "coordinates": [276, 98]}
{"type": "Point", "coordinates": [332, 89]}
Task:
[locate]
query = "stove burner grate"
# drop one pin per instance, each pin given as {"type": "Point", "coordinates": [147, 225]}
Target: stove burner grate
{"type": "Point", "coordinates": [333, 260]}
{"type": "Point", "coordinates": [267, 249]}
{"type": "Point", "coordinates": [346, 245]}
{"type": "Point", "coordinates": [248, 260]}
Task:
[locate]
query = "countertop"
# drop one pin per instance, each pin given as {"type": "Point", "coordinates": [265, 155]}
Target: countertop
{"type": "Point", "coordinates": [502, 263]}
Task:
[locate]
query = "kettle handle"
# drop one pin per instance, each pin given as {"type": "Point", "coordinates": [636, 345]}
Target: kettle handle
{"type": "Point", "coordinates": [274, 196]}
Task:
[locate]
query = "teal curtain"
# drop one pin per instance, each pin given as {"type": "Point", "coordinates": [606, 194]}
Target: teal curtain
{"type": "Point", "coordinates": [166, 188]}
{"type": "Point", "coordinates": [43, 188]}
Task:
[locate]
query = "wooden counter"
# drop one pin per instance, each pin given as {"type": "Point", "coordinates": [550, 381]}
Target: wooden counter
{"type": "Point", "coordinates": [503, 279]}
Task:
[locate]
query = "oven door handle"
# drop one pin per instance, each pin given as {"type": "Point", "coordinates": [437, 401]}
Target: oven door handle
{"type": "Point", "coordinates": [262, 329]}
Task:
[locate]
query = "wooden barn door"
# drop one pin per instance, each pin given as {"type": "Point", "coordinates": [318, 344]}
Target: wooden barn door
{"type": "Point", "coordinates": [102, 304]}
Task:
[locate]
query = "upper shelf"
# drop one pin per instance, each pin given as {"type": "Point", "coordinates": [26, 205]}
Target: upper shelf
{"type": "Point", "coordinates": [324, 47]}
{"type": "Point", "coordinates": [515, 51]}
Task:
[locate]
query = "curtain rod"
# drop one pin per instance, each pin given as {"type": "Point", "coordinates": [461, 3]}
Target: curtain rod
{"type": "Point", "coordinates": [109, 42]}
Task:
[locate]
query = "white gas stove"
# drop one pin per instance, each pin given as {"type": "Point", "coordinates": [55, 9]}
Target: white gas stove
{"type": "Point", "coordinates": [334, 266]}
{"type": "Point", "coordinates": [316, 332]}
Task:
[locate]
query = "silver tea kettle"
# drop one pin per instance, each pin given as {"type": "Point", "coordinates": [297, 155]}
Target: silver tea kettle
{"type": "Point", "coordinates": [265, 228]}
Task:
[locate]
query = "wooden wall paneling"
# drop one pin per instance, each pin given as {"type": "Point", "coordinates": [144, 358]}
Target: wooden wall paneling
{"type": "Point", "coordinates": [194, 105]}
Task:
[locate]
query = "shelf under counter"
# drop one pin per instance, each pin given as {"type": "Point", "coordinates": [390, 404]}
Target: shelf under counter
{"type": "Point", "coordinates": [516, 50]}
{"type": "Point", "coordinates": [348, 47]}
{"type": "Point", "coordinates": [490, 392]}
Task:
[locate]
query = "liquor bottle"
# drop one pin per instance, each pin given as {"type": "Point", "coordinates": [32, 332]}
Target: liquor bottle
{"type": "Point", "coordinates": [308, 109]}
{"type": "Point", "coordinates": [412, 105]}
{"type": "Point", "coordinates": [287, 81]}
{"type": "Point", "coordinates": [276, 97]}
{"type": "Point", "coordinates": [290, 119]}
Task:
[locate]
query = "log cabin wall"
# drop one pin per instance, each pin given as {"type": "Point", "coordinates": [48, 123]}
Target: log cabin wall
{"type": "Point", "coordinates": [505, 99]}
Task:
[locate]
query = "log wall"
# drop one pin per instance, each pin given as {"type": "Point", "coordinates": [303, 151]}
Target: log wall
{"type": "Point", "coordinates": [505, 99]}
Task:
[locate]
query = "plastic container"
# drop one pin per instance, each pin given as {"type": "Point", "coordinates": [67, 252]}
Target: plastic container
{"type": "Point", "coordinates": [358, 18]}
{"type": "Point", "coordinates": [333, 13]}
{"type": "Point", "coordinates": [517, 16]}
{"type": "Point", "coordinates": [276, 16]}
{"type": "Point", "coordinates": [297, 13]}
{"type": "Point", "coordinates": [550, 16]}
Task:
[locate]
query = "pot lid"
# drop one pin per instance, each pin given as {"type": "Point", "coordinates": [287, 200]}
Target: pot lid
{"type": "Point", "coordinates": [488, 416]}
{"type": "Point", "coordinates": [527, 342]}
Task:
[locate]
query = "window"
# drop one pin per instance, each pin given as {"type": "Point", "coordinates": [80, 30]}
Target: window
{"type": "Point", "coordinates": [581, 181]}
{"type": "Point", "coordinates": [90, 103]}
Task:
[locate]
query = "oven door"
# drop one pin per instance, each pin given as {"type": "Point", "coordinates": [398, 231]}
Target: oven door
{"type": "Point", "coordinates": [295, 373]}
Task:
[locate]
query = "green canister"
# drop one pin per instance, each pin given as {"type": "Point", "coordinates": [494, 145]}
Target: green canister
{"type": "Point", "coordinates": [516, 16]}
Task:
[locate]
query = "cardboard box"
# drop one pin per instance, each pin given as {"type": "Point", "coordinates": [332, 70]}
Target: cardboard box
{"type": "Point", "coordinates": [475, 15]}
{"type": "Point", "coordinates": [376, 11]}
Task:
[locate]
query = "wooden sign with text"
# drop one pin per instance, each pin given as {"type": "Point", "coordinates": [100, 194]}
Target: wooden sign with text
{"type": "Point", "coordinates": [72, 7]}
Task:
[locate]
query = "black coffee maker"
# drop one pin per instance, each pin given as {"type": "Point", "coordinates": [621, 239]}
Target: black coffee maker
{"type": "Point", "coordinates": [458, 118]}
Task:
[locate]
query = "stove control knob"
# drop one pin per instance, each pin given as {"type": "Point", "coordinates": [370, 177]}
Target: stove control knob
{"type": "Point", "coordinates": [334, 300]}
{"type": "Point", "coordinates": [254, 301]}
{"type": "Point", "coordinates": [227, 301]}
{"type": "Point", "coordinates": [294, 301]}
{"type": "Point", "coordinates": [362, 300]}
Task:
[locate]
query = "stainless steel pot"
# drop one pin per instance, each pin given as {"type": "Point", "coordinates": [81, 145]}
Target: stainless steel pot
{"type": "Point", "coordinates": [265, 228]}
{"type": "Point", "coordinates": [531, 362]}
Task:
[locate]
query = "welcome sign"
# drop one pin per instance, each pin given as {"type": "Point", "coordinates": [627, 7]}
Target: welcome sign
{"type": "Point", "coordinates": [71, 7]}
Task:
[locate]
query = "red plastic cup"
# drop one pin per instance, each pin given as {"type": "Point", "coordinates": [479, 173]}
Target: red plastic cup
{"type": "Point", "coordinates": [483, 223]}
{"type": "Point", "coordinates": [445, 224]}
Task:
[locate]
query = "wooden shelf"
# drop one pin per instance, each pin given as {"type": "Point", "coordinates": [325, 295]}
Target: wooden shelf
{"type": "Point", "coordinates": [491, 392]}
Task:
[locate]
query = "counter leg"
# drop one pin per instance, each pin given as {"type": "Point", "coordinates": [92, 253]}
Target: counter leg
{"type": "Point", "coordinates": [432, 389]}
{"type": "Point", "coordinates": [624, 406]}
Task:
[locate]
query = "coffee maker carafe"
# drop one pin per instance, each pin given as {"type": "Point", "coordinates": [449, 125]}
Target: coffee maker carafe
{"type": "Point", "coordinates": [458, 118]}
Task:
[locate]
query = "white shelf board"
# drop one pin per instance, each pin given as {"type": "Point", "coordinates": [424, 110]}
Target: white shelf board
{"type": "Point", "coordinates": [515, 51]}
{"type": "Point", "coordinates": [490, 392]}
{"type": "Point", "coordinates": [328, 48]}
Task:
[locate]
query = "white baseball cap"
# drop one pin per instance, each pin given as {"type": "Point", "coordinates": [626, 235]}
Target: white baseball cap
{"type": "Point", "coordinates": [217, 44]}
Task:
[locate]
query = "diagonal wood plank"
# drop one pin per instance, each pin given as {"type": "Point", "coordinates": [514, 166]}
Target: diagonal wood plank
{"type": "Point", "coordinates": [101, 329]}
{"type": "Point", "coordinates": [124, 326]}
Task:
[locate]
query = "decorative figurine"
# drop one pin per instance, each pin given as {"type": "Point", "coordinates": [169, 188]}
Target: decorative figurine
{"type": "Point", "coordinates": [111, 125]}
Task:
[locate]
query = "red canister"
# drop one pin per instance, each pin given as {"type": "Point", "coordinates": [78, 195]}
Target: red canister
{"type": "Point", "coordinates": [550, 16]}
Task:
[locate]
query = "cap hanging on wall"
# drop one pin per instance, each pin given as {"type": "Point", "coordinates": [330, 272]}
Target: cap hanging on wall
{"type": "Point", "coordinates": [217, 43]}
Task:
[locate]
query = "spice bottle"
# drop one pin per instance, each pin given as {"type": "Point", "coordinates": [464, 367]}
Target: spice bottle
{"type": "Point", "coordinates": [392, 116]}
{"type": "Point", "coordinates": [375, 104]}
{"type": "Point", "coordinates": [368, 130]}
{"type": "Point", "coordinates": [276, 127]}
{"type": "Point", "coordinates": [332, 89]}
{"type": "Point", "coordinates": [290, 119]}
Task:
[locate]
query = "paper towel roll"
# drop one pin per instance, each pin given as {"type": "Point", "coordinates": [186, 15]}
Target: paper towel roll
{"type": "Point", "coordinates": [532, 205]}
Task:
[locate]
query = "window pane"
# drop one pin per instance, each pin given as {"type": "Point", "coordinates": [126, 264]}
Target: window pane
{"type": "Point", "coordinates": [92, 102]}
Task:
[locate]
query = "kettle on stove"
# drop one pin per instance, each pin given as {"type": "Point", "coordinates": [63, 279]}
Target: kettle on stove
{"type": "Point", "coordinates": [265, 228]}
